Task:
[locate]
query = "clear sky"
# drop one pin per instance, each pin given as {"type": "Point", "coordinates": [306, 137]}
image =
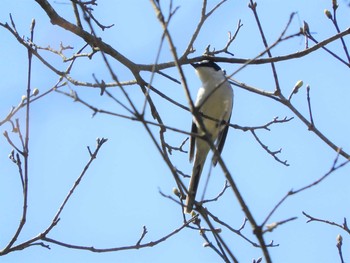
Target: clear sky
{"type": "Point", "coordinates": [120, 193]}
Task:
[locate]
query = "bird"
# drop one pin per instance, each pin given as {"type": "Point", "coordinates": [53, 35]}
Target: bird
{"type": "Point", "coordinates": [214, 104]}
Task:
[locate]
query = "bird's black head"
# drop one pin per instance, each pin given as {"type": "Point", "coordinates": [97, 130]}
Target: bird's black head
{"type": "Point", "coordinates": [206, 63]}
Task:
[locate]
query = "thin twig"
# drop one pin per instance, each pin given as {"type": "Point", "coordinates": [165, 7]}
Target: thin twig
{"type": "Point", "coordinates": [312, 125]}
{"type": "Point", "coordinates": [335, 166]}
{"type": "Point", "coordinates": [309, 36]}
{"type": "Point", "coordinates": [335, 23]}
{"type": "Point", "coordinates": [343, 226]}
{"type": "Point", "coordinates": [25, 152]}
{"type": "Point", "coordinates": [144, 232]}
{"type": "Point", "coordinates": [56, 218]}
{"type": "Point", "coordinates": [203, 18]}
{"type": "Point", "coordinates": [237, 231]}
{"type": "Point", "coordinates": [219, 194]}
{"type": "Point", "coordinates": [203, 212]}
{"type": "Point", "coordinates": [230, 40]}
{"type": "Point", "coordinates": [253, 5]}
{"type": "Point", "coordinates": [93, 155]}
{"type": "Point", "coordinates": [266, 148]}
{"type": "Point", "coordinates": [114, 249]}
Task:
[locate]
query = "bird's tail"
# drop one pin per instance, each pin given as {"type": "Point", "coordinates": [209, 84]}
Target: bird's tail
{"type": "Point", "coordinates": [192, 189]}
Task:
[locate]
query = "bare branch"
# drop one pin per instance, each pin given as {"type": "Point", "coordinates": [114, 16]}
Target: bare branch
{"type": "Point", "coordinates": [204, 16]}
{"type": "Point", "coordinates": [219, 195]}
{"type": "Point", "coordinates": [344, 226]}
{"type": "Point", "coordinates": [114, 249]}
{"type": "Point", "coordinates": [335, 167]}
{"type": "Point", "coordinates": [89, 38]}
{"type": "Point", "coordinates": [266, 148]}
{"type": "Point", "coordinates": [144, 232]}
{"type": "Point", "coordinates": [253, 5]}
{"type": "Point", "coordinates": [231, 38]}
{"type": "Point", "coordinates": [309, 36]}
{"type": "Point", "coordinates": [309, 107]}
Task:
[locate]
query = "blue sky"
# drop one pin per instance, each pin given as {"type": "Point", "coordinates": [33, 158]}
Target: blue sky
{"type": "Point", "coordinates": [119, 194]}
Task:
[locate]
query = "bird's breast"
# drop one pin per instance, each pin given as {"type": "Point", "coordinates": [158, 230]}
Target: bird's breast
{"type": "Point", "coordinates": [215, 106]}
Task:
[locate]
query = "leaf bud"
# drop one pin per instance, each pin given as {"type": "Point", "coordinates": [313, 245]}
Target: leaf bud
{"type": "Point", "coordinates": [328, 13]}
{"type": "Point", "coordinates": [35, 91]}
{"type": "Point", "coordinates": [339, 239]}
{"type": "Point", "coordinates": [297, 86]}
{"type": "Point", "coordinates": [176, 192]}
{"type": "Point", "coordinates": [335, 4]}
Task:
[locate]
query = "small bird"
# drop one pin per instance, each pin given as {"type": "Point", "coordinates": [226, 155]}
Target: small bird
{"type": "Point", "coordinates": [214, 103]}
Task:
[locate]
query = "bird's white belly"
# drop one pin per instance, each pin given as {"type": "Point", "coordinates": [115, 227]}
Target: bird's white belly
{"type": "Point", "coordinates": [218, 106]}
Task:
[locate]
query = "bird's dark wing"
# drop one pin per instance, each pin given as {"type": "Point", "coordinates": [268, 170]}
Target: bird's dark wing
{"type": "Point", "coordinates": [194, 129]}
{"type": "Point", "coordinates": [221, 140]}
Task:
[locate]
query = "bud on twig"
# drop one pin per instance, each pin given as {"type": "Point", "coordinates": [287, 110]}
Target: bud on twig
{"type": "Point", "coordinates": [339, 240]}
{"type": "Point", "coordinates": [32, 25]}
{"type": "Point", "coordinates": [297, 86]}
{"type": "Point", "coordinates": [272, 226]}
{"type": "Point", "coordinates": [253, 6]}
{"type": "Point", "coordinates": [218, 230]}
{"type": "Point", "coordinates": [328, 14]}
{"type": "Point", "coordinates": [335, 4]}
{"type": "Point", "coordinates": [193, 213]}
{"type": "Point", "coordinates": [176, 192]}
{"type": "Point", "coordinates": [206, 244]}
{"type": "Point", "coordinates": [35, 92]}
{"type": "Point", "coordinates": [306, 28]}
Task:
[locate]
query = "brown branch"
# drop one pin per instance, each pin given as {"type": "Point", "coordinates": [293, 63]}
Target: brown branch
{"type": "Point", "coordinates": [203, 18]}
{"type": "Point", "coordinates": [312, 124]}
{"type": "Point", "coordinates": [335, 23]}
{"type": "Point", "coordinates": [309, 36]}
{"type": "Point", "coordinates": [266, 126]}
{"type": "Point", "coordinates": [259, 61]}
{"type": "Point", "coordinates": [114, 249]}
{"type": "Point", "coordinates": [281, 99]}
{"type": "Point", "coordinates": [253, 5]}
{"type": "Point", "coordinates": [93, 156]}
{"type": "Point", "coordinates": [266, 148]}
{"type": "Point", "coordinates": [141, 67]}
{"type": "Point", "coordinates": [173, 148]}
{"type": "Point", "coordinates": [56, 218]}
{"type": "Point", "coordinates": [144, 232]}
{"type": "Point", "coordinates": [335, 166]}
{"type": "Point", "coordinates": [218, 195]}
{"type": "Point", "coordinates": [216, 233]}
{"type": "Point", "coordinates": [55, 19]}
{"type": "Point", "coordinates": [237, 231]}
{"type": "Point", "coordinates": [25, 152]}
{"type": "Point", "coordinates": [87, 10]}
{"type": "Point", "coordinates": [315, 130]}
{"type": "Point", "coordinates": [343, 226]}
{"type": "Point", "coordinates": [74, 95]}
{"type": "Point", "coordinates": [230, 40]}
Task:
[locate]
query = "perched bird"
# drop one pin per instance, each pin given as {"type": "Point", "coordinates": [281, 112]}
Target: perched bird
{"type": "Point", "coordinates": [214, 103]}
